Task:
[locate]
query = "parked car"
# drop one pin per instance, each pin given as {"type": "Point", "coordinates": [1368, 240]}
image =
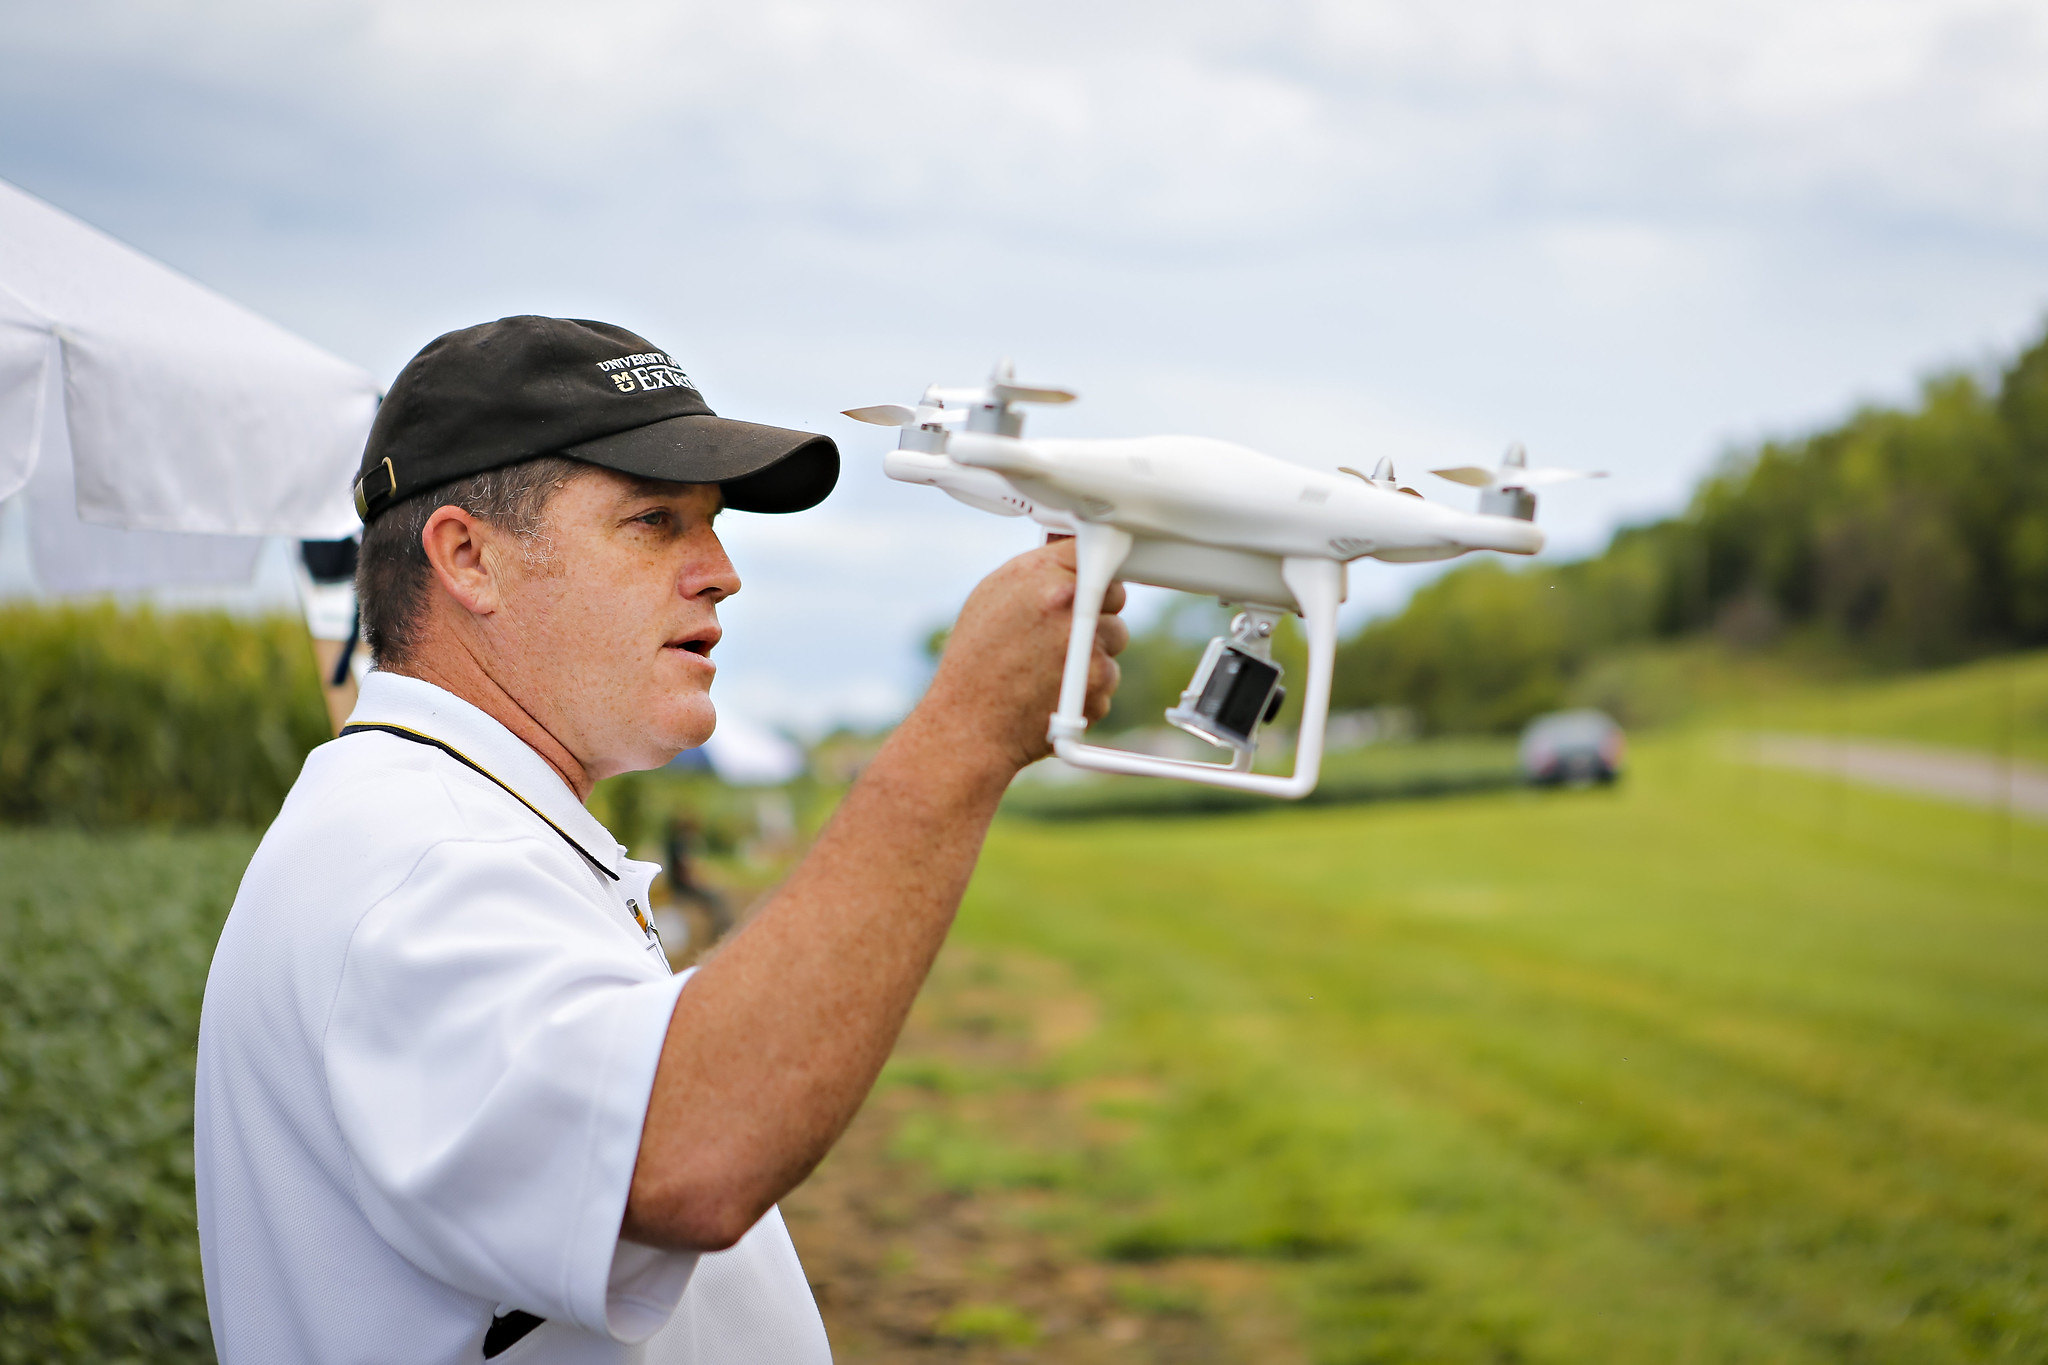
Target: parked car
{"type": "Point", "coordinates": [1572, 747]}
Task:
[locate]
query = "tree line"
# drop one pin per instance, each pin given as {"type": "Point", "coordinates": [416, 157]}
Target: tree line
{"type": "Point", "coordinates": [1903, 537]}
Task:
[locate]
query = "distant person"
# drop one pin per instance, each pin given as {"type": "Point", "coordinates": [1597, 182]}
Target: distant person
{"type": "Point", "coordinates": [451, 1103]}
{"type": "Point", "coordinates": [327, 594]}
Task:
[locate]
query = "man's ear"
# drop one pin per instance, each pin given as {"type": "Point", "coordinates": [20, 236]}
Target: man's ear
{"type": "Point", "coordinates": [454, 542]}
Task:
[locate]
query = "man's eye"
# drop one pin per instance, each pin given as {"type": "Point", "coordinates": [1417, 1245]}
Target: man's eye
{"type": "Point", "coordinates": [658, 517]}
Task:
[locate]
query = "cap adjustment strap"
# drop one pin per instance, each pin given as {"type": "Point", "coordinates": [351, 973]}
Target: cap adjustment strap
{"type": "Point", "coordinates": [370, 498]}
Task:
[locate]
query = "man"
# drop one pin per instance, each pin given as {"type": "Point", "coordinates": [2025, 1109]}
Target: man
{"type": "Point", "coordinates": [451, 1104]}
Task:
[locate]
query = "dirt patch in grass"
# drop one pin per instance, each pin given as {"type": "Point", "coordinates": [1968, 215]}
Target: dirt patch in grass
{"type": "Point", "coordinates": [927, 1239]}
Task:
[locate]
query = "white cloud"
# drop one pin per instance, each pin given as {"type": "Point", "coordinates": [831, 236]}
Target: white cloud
{"type": "Point", "coordinates": [1624, 233]}
{"type": "Point", "coordinates": [1146, 122]}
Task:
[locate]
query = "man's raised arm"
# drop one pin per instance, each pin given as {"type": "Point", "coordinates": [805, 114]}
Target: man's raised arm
{"type": "Point", "coordinates": [776, 1041]}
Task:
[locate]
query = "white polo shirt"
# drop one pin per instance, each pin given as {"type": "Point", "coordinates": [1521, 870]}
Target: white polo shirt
{"type": "Point", "coordinates": [430, 1031]}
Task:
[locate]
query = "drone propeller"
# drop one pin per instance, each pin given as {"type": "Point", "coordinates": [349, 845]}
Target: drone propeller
{"type": "Point", "coordinates": [1002, 389]}
{"type": "Point", "coordinates": [1382, 476]}
{"type": "Point", "coordinates": [1022, 393]}
{"type": "Point", "coordinates": [1514, 472]}
{"type": "Point", "coordinates": [931, 412]}
{"type": "Point", "coordinates": [1509, 491]}
{"type": "Point", "coordinates": [884, 415]}
{"type": "Point", "coordinates": [1002, 382]}
{"type": "Point", "coordinates": [986, 409]}
{"type": "Point", "coordinates": [1472, 476]}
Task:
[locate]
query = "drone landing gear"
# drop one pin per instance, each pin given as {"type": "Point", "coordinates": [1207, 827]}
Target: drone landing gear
{"type": "Point", "coordinates": [1234, 691]}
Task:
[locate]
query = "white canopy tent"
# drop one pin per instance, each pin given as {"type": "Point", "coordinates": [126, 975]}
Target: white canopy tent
{"type": "Point", "coordinates": [155, 429]}
{"type": "Point", "coordinates": [157, 432]}
{"type": "Point", "coordinates": [744, 753]}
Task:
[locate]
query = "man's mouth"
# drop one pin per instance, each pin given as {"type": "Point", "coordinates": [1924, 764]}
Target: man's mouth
{"type": "Point", "coordinates": [698, 643]}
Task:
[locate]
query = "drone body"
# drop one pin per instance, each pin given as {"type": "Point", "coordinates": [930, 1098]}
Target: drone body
{"type": "Point", "coordinates": [1202, 516]}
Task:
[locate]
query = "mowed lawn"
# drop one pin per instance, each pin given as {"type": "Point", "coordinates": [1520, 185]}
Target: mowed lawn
{"type": "Point", "coordinates": [1995, 706]}
{"type": "Point", "coordinates": [1724, 1065]}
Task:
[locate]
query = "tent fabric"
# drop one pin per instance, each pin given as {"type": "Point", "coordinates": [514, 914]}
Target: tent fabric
{"type": "Point", "coordinates": [745, 754]}
{"type": "Point", "coordinates": [24, 362]}
{"type": "Point", "coordinates": [182, 411]}
{"type": "Point", "coordinates": [72, 557]}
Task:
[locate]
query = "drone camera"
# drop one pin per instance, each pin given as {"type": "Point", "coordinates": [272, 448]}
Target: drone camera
{"type": "Point", "coordinates": [1232, 694]}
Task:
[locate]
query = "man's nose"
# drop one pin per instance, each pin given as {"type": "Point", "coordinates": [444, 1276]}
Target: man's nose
{"type": "Point", "coordinates": [713, 577]}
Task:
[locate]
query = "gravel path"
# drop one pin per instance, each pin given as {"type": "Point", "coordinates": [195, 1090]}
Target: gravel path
{"type": "Point", "coordinates": [1952, 774]}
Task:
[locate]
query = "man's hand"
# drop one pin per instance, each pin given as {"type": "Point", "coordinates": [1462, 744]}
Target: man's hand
{"type": "Point", "coordinates": [776, 1041]}
{"type": "Point", "coordinates": [1000, 674]}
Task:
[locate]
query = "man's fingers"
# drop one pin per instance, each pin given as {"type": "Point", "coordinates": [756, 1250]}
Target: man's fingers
{"type": "Point", "coordinates": [1003, 659]}
{"type": "Point", "coordinates": [1103, 676]}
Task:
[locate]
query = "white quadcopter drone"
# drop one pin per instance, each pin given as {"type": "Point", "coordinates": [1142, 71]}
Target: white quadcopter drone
{"type": "Point", "coordinates": [1206, 517]}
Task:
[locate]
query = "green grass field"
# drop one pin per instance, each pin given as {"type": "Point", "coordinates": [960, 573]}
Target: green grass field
{"type": "Point", "coordinates": [1724, 1065]}
{"type": "Point", "coordinates": [1997, 705]}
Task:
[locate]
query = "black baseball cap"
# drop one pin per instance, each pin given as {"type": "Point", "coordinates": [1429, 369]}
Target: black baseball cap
{"type": "Point", "coordinates": [522, 387]}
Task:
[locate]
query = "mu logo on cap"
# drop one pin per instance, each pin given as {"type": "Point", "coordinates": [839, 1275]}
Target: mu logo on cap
{"type": "Point", "coordinates": [644, 371]}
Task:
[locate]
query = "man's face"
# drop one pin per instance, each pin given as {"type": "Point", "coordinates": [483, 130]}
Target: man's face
{"type": "Point", "coordinates": [607, 620]}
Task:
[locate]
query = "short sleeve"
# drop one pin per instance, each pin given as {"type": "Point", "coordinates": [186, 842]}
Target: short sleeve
{"type": "Point", "coordinates": [489, 1057]}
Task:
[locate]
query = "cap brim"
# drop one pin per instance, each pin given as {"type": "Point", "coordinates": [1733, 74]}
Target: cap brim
{"type": "Point", "coordinates": [761, 469]}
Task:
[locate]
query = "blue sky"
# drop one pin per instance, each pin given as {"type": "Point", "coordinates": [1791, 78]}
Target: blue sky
{"type": "Point", "coordinates": [1630, 235]}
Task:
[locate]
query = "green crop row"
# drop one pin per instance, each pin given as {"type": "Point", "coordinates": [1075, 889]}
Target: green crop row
{"type": "Point", "coordinates": [104, 941]}
{"type": "Point", "coordinates": [113, 716]}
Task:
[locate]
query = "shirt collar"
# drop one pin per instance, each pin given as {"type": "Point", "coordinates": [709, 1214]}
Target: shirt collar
{"type": "Point", "coordinates": [395, 699]}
